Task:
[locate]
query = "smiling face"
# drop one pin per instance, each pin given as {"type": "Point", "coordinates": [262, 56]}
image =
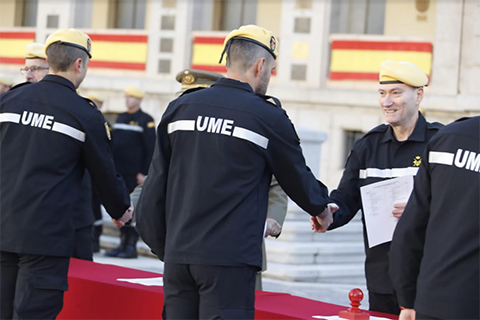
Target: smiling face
{"type": "Point", "coordinates": [400, 103]}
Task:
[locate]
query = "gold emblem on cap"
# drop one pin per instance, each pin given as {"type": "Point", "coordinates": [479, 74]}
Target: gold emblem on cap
{"type": "Point", "coordinates": [188, 78]}
{"type": "Point", "coordinates": [273, 43]}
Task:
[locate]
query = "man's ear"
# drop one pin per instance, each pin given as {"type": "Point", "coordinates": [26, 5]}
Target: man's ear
{"type": "Point", "coordinates": [78, 64]}
{"type": "Point", "coordinates": [419, 98]}
{"type": "Point", "coordinates": [259, 66]}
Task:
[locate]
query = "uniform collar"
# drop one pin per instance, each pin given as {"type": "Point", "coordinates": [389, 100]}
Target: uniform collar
{"type": "Point", "coordinates": [418, 133]}
{"type": "Point", "coordinates": [60, 80]}
{"type": "Point", "coordinates": [228, 82]}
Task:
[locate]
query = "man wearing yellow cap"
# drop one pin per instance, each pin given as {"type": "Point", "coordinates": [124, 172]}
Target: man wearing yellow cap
{"type": "Point", "coordinates": [133, 143]}
{"type": "Point", "coordinates": [50, 136]}
{"type": "Point", "coordinates": [204, 204]}
{"type": "Point", "coordinates": [36, 66]}
{"type": "Point", "coordinates": [6, 82]}
{"type": "Point", "coordinates": [388, 151]}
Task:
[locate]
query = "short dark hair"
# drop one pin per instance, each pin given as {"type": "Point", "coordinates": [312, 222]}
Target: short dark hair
{"type": "Point", "coordinates": [244, 54]}
{"type": "Point", "coordinates": [61, 57]}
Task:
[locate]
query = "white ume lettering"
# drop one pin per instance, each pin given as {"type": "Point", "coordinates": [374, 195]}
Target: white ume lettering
{"type": "Point", "coordinates": [42, 121]}
{"type": "Point", "coordinates": [218, 126]}
{"type": "Point", "coordinates": [213, 125]}
{"type": "Point", "coordinates": [37, 120]}
{"type": "Point", "coordinates": [462, 159]}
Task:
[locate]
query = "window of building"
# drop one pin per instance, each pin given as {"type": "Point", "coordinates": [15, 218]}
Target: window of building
{"type": "Point", "coordinates": [130, 14]}
{"type": "Point", "coordinates": [83, 14]}
{"type": "Point", "coordinates": [358, 16]}
{"type": "Point", "coordinates": [26, 13]}
{"type": "Point", "coordinates": [236, 13]}
{"type": "Point", "coordinates": [351, 136]}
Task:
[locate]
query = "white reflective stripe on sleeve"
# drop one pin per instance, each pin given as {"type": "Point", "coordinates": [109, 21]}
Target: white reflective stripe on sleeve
{"type": "Point", "coordinates": [129, 127]}
{"type": "Point", "coordinates": [181, 125]}
{"type": "Point", "coordinates": [10, 117]}
{"type": "Point", "coordinates": [441, 157]}
{"type": "Point", "coordinates": [387, 173]}
{"type": "Point", "coordinates": [250, 136]}
{"type": "Point", "coordinates": [69, 131]}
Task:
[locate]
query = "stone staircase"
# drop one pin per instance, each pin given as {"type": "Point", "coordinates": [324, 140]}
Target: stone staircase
{"type": "Point", "coordinates": [303, 256]}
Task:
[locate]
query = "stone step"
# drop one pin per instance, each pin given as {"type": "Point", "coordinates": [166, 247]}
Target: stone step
{"type": "Point", "coordinates": [301, 231]}
{"type": "Point", "coordinates": [332, 273]}
{"type": "Point", "coordinates": [296, 253]}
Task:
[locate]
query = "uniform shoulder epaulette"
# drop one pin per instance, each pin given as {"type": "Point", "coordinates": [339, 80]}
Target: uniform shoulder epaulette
{"type": "Point", "coordinates": [191, 90]}
{"type": "Point", "coordinates": [435, 125]}
{"type": "Point", "coordinates": [91, 103]}
{"type": "Point", "coordinates": [271, 100]}
{"type": "Point", "coordinates": [20, 85]}
{"type": "Point", "coordinates": [463, 119]}
{"type": "Point", "coordinates": [378, 129]}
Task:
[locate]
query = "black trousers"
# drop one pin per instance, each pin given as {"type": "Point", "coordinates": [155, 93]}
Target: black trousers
{"type": "Point", "coordinates": [386, 303]}
{"type": "Point", "coordinates": [208, 292]}
{"type": "Point", "coordinates": [32, 286]}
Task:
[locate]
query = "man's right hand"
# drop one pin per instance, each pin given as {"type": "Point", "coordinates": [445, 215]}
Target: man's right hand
{"type": "Point", "coordinates": [321, 222]}
{"type": "Point", "coordinates": [127, 216]}
{"type": "Point", "coordinates": [407, 314]}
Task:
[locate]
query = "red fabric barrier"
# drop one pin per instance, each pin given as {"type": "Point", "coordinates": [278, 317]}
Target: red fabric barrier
{"type": "Point", "coordinates": [95, 293]}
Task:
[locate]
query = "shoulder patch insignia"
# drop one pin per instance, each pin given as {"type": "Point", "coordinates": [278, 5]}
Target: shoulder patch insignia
{"type": "Point", "coordinates": [107, 130]}
{"type": "Point", "coordinates": [417, 161]}
{"type": "Point", "coordinates": [151, 124]}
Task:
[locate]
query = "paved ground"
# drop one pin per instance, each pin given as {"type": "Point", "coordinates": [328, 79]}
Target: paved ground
{"type": "Point", "coordinates": [332, 293]}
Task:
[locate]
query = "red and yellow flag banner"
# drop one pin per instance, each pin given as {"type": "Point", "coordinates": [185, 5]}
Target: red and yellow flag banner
{"type": "Point", "coordinates": [361, 59]}
{"type": "Point", "coordinates": [119, 51]}
{"type": "Point", "coordinates": [12, 46]}
{"type": "Point", "coordinates": [206, 53]}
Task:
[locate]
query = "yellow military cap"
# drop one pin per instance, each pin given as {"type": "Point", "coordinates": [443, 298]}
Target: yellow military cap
{"type": "Point", "coordinates": [70, 37]}
{"type": "Point", "coordinates": [255, 34]}
{"type": "Point", "coordinates": [402, 72]}
{"type": "Point", "coordinates": [135, 92]}
{"type": "Point", "coordinates": [192, 78]}
{"type": "Point", "coordinates": [95, 96]}
{"type": "Point", "coordinates": [35, 51]}
{"type": "Point", "coordinates": [6, 80]}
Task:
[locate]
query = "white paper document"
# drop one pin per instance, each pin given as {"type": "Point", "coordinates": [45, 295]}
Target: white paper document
{"type": "Point", "coordinates": [378, 200]}
{"type": "Point", "coordinates": [145, 281]}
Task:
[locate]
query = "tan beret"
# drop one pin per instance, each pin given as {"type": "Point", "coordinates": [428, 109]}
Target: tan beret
{"type": "Point", "coordinates": [95, 96]}
{"type": "Point", "coordinates": [192, 78]}
{"type": "Point", "coordinates": [6, 80]}
{"type": "Point", "coordinates": [135, 92]}
{"type": "Point", "coordinates": [35, 51]}
{"type": "Point", "coordinates": [402, 72]}
{"type": "Point", "coordinates": [70, 37]}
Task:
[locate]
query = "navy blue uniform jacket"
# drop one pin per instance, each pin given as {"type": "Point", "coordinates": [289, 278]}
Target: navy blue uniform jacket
{"type": "Point", "coordinates": [133, 142]}
{"type": "Point", "coordinates": [49, 135]}
{"type": "Point", "coordinates": [375, 157]}
{"type": "Point", "coordinates": [435, 259]}
{"type": "Point", "coordinates": [206, 196]}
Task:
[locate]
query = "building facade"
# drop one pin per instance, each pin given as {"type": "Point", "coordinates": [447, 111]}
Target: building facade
{"type": "Point", "coordinates": [327, 71]}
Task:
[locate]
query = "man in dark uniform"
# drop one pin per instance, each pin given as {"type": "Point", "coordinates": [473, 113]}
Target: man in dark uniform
{"type": "Point", "coordinates": [387, 151]}
{"type": "Point", "coordinates": [204, 204]}
{"type": "Point", "coordinates": [133, 144]}
{"type": "Point", "coordinates": [49, 135]}
{"type": "Point", "coordinates": [36, 68]}
{"type": "Point", "coordinates": [434, 257]}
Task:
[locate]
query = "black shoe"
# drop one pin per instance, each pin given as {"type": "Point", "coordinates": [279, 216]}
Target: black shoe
{"type": "Point", "coordinates": [123, 242]}
{"type": "Point", "coordinates": [130, 252]}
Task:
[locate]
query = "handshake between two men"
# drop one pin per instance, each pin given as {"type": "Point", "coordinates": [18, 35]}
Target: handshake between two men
{"type": "Point", "coordinates": [127, 216]}
{"type": "Point", "coordinates": [319, 223]}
